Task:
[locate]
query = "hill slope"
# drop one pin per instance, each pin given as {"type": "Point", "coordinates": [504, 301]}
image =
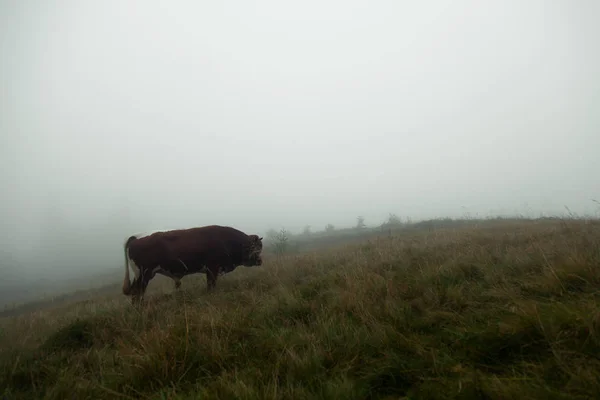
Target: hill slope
{"type": "Point", "coordinates": [503, 310]}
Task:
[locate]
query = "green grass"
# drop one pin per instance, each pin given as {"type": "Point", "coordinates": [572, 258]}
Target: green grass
{"type": "Point", "coordinates": [501, 310]}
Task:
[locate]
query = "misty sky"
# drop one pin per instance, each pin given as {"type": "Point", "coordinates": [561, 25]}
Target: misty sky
{"type": "Point", "coordinates": [262, 114]}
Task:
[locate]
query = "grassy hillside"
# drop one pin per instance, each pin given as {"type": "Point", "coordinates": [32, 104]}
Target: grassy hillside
{"type": "Point", "coordinates": [502, 309]}
{"type": "Point", "coordinates": [20, 294]}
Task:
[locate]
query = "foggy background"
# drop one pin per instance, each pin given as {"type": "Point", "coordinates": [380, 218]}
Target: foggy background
{"type": "Point", "coordinates": [122, 117]}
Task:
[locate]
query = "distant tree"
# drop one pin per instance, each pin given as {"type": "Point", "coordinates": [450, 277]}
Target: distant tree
{"type": "Point", "coordinates": [281, 243]}
{"type": "Point", "coordinates": [360, 222]}
{"type": "Point", "coordinates": [306, 230]}
{"type": "Point", "coordinates": [329, 228]}
{"type": "Point", "coordinates": [393, 219]}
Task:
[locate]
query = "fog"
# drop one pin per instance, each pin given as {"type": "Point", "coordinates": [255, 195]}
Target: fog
{"type": "Point", "coordinates": [122, 117]}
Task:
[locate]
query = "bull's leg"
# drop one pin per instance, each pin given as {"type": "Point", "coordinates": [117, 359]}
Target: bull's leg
{"type": "Point", "coordinates": [137, 296]}
{"type": "Point", "coordinates": [211, 277]}
{"type": "Point", "coordinates": [139, 287]}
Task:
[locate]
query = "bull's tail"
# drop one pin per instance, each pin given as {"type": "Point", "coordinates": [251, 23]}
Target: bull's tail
{"type": "Point", "coordinates": [126, 282]}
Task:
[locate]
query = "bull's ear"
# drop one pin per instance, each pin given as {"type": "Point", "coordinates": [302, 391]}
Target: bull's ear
{"type": "Point", "coordinates": [260, 238]}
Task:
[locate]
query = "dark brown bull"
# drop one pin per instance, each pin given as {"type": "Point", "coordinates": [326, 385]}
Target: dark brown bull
{"type": "Point", "coordinates": [213, 250]}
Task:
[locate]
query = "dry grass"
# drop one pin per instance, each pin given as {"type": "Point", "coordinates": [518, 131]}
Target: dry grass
{"type": "Point", "coordinates": [497, 310]}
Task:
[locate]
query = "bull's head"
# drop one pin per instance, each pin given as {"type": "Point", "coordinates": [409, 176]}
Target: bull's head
{"type": "Point", "coordinates": [252, 256]}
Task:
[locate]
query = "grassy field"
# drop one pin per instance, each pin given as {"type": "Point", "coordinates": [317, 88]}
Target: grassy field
{"type": "Point", "coordinates": [496, 310]}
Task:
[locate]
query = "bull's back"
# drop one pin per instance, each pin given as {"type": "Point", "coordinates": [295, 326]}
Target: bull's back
{"type": "Point", "coordinates": [217, 231]}
{"type": "Point", "coordinates": [193, 243]}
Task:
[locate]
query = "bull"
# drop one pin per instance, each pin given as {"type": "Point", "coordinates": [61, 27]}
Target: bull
{"type": "Point", "coordinates": [213, 250]}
